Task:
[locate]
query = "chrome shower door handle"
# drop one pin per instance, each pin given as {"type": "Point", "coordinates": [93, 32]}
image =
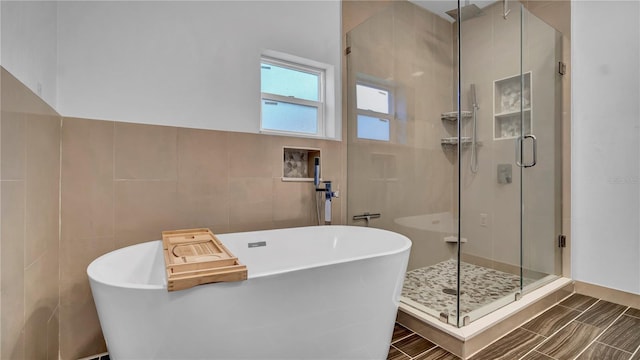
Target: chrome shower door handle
{"type": "Point", "coordinates": [535, 150]}
{"type": "Point", "coordinates": [519, 144]}
{"type": "Point", "coordinates": [519, 151]}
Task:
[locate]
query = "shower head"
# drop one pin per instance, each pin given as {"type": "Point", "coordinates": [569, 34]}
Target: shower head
{"type": "Point", "coordinates": [467, 11]}
{"type": "Point", "coordinates": [474, 99]}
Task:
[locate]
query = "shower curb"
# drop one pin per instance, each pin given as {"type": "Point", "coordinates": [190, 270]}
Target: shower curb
{"type": "Point", "coordinates": [466, 346]}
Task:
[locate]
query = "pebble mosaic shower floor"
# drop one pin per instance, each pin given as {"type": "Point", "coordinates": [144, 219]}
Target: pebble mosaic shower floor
{"type": "Point", "coordinates": [479, 285]}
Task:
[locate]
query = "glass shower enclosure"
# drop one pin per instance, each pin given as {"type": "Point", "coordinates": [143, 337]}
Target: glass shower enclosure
{"type": "Point", "coordinates": [454, 140]}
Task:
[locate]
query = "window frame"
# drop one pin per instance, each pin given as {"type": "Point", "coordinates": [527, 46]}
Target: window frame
{"type": "Point", "coordinates": [320, 105]}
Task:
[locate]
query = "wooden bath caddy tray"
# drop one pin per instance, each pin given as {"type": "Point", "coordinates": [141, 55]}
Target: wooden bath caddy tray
{"type": "Point", "coordinates": [196, 256]}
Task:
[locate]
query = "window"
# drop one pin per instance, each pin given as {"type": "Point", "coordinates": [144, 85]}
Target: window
{"type": "Point", "coordinates": [373, 105]}
{"type": "Point", "coordinates": [293, 97]}
{"type": "Point", "coordinates": [373, 128]}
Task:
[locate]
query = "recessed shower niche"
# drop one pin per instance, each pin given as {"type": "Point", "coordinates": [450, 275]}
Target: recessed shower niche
{"type": "Point", "coordinates": [298, 163]}
{"type": "Point", "coordinates": [507, 107]}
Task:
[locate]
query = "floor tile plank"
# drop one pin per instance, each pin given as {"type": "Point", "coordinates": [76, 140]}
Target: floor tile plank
{"type": "Point", "coordinates": [623, 334]}
{"type": "Point", "coordinates": [395, 354]}
{"type": "Point", "coordinates": [414, 345]}
{"type": "Point", "coordinates": [601, 351]}
{"type": "Point", "coordinates": [601, 314]}
{"type": "Point", "coordinates": [400, 332]}
{"type": "Point", "coordinates": [534, 355]}
{"type": "Point", "coordinates": [512, 346]}
{"type": "Point", "coordinates": [551, 320]}
{"type": "Point", "coordinates": [437, 354]}
{"type": "Point", "coordinates": [633, 312]}
{"type": "Point", "coordinates": [579, 302]}
{"type": "Point", "coordinates": [569, 341]}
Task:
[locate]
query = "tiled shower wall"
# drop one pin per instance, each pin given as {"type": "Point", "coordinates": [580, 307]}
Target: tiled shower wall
{"type": "Point", "coordinates": [30, 175]}
{"type": "Point", "coordinates": [112, 184]}
{"type": "Point", "coordinates": [411, 175]}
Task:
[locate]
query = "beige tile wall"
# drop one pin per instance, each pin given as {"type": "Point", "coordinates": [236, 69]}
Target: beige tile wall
{"type": "Point", "coordinates": [113, 184]}
{"type": "Point", "coordinates": [409, 49]}
{"type": "Point", "coordinates": [29, 180]}
{"type": "Point", "coordinates": [124, 183]}
{"type": "Point", "coordinates": [354, 12]}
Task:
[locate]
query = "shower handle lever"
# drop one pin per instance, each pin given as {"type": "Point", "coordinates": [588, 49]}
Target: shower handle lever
{"type": "Point", "coordinates": [519, 142]}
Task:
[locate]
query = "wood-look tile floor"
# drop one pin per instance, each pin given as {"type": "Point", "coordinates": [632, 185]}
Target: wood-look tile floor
{"type": "Point", "coordinates": [580, 327]}
{"type": "Point", "coordinates": [405, 345]}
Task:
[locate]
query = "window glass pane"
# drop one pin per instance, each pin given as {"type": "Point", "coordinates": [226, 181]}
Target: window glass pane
{"type": "Point", "coordinates": [277, 115]}
{"type": "Point", "coordinates": [288, 82]}
{"type": "Point", "coordinates": [373, 128]}
{"type": "Point", "coordinates": [369, 98]}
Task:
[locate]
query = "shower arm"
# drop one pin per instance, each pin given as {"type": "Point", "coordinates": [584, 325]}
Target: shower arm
{"type": "Point", "coordinates": [505, 9]}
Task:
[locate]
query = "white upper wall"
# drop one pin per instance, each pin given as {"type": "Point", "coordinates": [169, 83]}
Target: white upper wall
{"type": "Point", "coordinates": [29, 45]}
{"type": "Point", "coordinates": [605, 147]}
{"type": "Point", "coordinates": [189, 64]}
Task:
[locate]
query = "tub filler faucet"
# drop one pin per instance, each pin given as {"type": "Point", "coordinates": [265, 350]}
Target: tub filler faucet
{"type": "Point", "coordinates": [328, 195]}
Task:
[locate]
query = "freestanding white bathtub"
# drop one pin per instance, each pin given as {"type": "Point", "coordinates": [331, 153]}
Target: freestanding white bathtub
{"type": "Point", "coordinates": [323, 292]}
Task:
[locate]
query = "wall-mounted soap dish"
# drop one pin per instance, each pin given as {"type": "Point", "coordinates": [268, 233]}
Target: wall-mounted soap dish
{"type": "Point", "coordinates": [454, 239]}
{"type": "Point", "coordinates": [454, 140]}
{"type": "Point", "coordinates": [453, 115]}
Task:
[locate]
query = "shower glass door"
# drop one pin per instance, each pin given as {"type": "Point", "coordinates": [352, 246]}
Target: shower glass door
{"type": "Point", "coordinates": [443, 122]}
{"type": "Point", "coordinates": [491, 79]}
{"type": "Point", "coordinates": [510, 170]}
